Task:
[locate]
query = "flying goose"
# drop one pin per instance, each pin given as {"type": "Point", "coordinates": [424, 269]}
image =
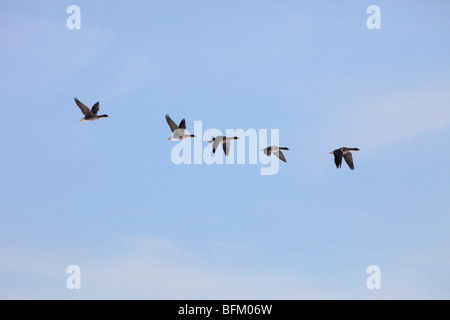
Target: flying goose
{"type": "Point", "coordinates": [178, 132]}
{"type": "Point", "coordinates": [276, 150]}
{"type": "Point", "coordinates": [89, 114]}
{"type": "Point", "coordinates": [225, 141]}
{"type": "Point", "coordinates": [344, 151]}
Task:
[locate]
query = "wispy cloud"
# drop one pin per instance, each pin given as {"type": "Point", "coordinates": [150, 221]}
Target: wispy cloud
{"type": "Point", "coordinates": [155, 268]}
{"type": "Point", "coordinates": [144, 268]}
{"type": "Point", "coordinates": [162, 269]}
{"type": "Point", "coordinates": [383, 120]}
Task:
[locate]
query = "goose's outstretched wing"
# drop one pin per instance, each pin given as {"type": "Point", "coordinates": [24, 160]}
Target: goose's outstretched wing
{"type": "Point", "coordinates": [349, 160]}
{"type": "Point", "coordinates": [173, 126]}
{"type": "Point", "coordinates": [95, 108]}
{"type": "Point", "coordinates": [86, 111]}
{"type": "Point", "coordinates": [280, 155]}
{"type": "Point", "coordinates": [215, 145]}
{"type": "Point", "coordinates": [337, 157]}
{"type": "Point", "coordinates": [226, 147]}
{"type": "Point", "coordinates": [182, 124]}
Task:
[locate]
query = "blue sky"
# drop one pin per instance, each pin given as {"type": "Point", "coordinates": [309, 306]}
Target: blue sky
{"type": "Point", "coordinates": [107, 197]}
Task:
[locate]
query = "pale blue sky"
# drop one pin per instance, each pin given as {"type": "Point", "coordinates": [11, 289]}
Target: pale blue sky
{"type": "Point", "coordinates": [107, 197]}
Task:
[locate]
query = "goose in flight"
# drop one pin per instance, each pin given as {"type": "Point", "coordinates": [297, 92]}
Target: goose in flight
{"type": "Point", "coordinates": [178, 132]}
{"type": "Point", "coordinates": [344, 152]}
{"type": "Point", "coordinates": [90, 114]}
{"type": "Point", "coordinates": [225, 141]}
{"type": "Point", "coordinates": [276, 150]}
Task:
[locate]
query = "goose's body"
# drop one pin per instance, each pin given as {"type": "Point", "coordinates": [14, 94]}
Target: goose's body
{"type": "Point", "coordinates": [224, 141]}
{"type": "Point", "coordinates": [345, 153]}
{"type": "Point", "coordinates": [275, 150]}
{"type": "Point", "coordinates": [178, 131]}
{"type": "Point", "coordinates": [90, 114]}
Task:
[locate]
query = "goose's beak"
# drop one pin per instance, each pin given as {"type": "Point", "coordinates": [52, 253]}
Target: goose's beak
{"type": "Point", "coordinates": [210, 141]}
{"type": "Point", "coordinates": [330, 152]}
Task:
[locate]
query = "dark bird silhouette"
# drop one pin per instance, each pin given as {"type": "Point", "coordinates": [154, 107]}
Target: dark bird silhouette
{"type": "Point", "coordinates": [344, 152]}
{"type": "Point", "coordinates": [225, 141]}
{"type": "Point", "coordinates": [90, 114]}
{"type": "Point", "coordinates": [178, 131]}
{"type": "Point", "coordinates": [275, 150]}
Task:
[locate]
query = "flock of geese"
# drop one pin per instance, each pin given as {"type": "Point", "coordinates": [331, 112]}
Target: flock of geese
{"type": "Point", "coordinates": [179, 133]}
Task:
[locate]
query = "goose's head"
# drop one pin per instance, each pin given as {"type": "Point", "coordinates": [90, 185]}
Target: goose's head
{"type": "Point", "coordinates": [212, 140]}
